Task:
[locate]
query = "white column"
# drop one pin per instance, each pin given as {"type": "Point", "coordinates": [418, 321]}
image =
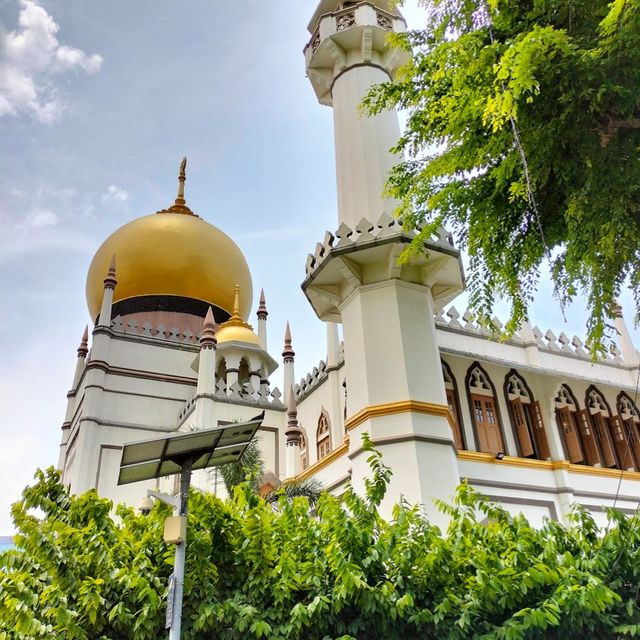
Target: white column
{"type": "Point", "coordinates": [392, 359]}
{"type": "Point", "coordinates": [288, 358]}
{"type": "Point", "coordinates": [293, 433]}
{"type": "Point", "coordinates": [363, 159]}
{"type": "Point", "coordinates": [204, 413]}
{"type": "Point", "coordinates": [262, 314]}
{"type": "Point", "coordinates": [83, 350]}
{"type": "Point", "coordinates": [333, 344]}
{"type": "Point", "coordinates": [629, 352]}
{"type": "Point", "coordinates": [104, 320]}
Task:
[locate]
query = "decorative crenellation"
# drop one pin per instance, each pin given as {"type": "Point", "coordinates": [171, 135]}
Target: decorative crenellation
{"type": "Point", "coordinates": [366, 233]}
{"type": "Point", "coordinates": [237, 393]}
{"type": "Point", "coordinates": [384, 20]}
{"type": "Point", "coordinates": [159, 332]}
{"type": "Point", "coordinates": [549, 342]}
{"type": "Point", "coordinates": [345, 20]}
{"type": "Point", "coordinates": [348, 18]}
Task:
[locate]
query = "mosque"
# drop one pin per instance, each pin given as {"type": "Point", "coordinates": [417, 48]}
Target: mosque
{"type": "Point", "coordinates": [531, 422]}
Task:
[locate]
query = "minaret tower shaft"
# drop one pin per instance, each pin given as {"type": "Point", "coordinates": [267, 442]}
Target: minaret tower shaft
{"type": "Point", "coordinates": [392, 361]}
{"type": "Point", "coordinates": [346, 56]}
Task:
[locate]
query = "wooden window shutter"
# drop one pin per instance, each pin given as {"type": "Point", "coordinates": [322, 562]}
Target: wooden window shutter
{"type": "Point", "coordinates": [457, 430]}
{"type": "Point", "coordinates": [602, 434]}
{"type": "Point", "coordinates": [587, 438]}
{"type": "Point", "coordinates": [633, 438]}
{"type": "Point", "coordinates": [569, 435]}
{"type": "Point", "coordinates": [485, 419]}
{"type": "Point", "coordinates": [622, 446]}
{"type": "Point", "coordinates": [522, 429]}
{"type": "Point", "coordinates": [539, 433]}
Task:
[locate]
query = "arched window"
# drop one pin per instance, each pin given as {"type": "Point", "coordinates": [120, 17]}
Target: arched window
{"type": "Point", "coordinates": [304, 455]}
{"type": "Point", "coordinates": [577, 436]}
{"type": "Point", "coordinates": [630, 416]}
{"type": "Point", "coordinates": [454, 405]}
{"type": "Point", "coordinates": [221, 370]}
{"type": "Point", "coordinates": [244, 373]}
{"type": "Point", "coordinates": [608, 431]}
{"type": "Point", "coordinates": [526, 417]}
{"type": "Point", "coordinates": [323, 436]}
{"type": "Point", "coordinates": [484, 410]}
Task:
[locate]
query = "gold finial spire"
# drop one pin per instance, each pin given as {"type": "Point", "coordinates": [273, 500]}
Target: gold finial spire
{"type": "Point", "coordinates": [182, 178]}
{"type": "Point", "coordinates": [236, 319]}
{"type": "Point", "coordinates": [180, 205]}
{"type": "Point", "coordinates": [236, 300]}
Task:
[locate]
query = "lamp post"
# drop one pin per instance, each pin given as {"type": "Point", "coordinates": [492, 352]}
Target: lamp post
{"type": "Point", "coordinates": [182, 453]}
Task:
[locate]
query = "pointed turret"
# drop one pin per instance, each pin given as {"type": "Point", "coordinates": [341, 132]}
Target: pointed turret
{"type": "Point", "coordinates": [208, 337]}
{"type": "Point", "coordinates": [629, 352]}
{"type": "Point", "coordinates": [83, 349]}
{"type": "Point", "coordinates": [293, 435]}
{"type": "Point", "coordinates": [292, 432]}
{"type": "Point", "coordinates": [110, 283]}
{"type": "Point", "coordinates": [262, 314]}
{"type": "Point", "coordinates": [204, 414]}
{"type": "Point", "coordinates": [288, 355]}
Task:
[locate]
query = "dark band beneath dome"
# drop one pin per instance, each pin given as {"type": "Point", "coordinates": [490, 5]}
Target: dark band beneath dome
{"type": "Point", "coordinates": [175, 304]}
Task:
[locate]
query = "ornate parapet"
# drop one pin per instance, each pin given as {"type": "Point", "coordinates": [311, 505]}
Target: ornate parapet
{"type": "Point", "coordinates": [452, 320]}
{"type": "Point", "coordinates": [369, 253]}
{"type": "Point", "coordinates": [120, 325]}
{"type": "Point", "coordinates": [356, 35]}
{"type": "Point", "coordinates": [244, 394]}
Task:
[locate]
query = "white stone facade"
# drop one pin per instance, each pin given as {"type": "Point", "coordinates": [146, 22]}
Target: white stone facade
{"type": "Point", "coordinates": [531, 421]}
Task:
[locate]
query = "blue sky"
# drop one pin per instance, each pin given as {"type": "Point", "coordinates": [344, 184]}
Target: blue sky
{"type": "Point", "coordinates": [98, 103]}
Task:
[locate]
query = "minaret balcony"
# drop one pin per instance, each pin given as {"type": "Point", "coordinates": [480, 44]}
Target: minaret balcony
{"type": "Point", "coordinates": [369, 255]}
{"type": "Point", "coordinates": [353, 36]}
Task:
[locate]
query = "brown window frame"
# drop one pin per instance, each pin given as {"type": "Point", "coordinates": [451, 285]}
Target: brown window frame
{"type": "Point", "coordinates": [453, 402]}
{"type": "Point", "coordinates": [323, 436]}
{"type": "Point", "coordinates": [527, 422]}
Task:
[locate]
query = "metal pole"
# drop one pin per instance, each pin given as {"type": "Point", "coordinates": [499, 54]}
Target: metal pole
{"type": "Point", "coordinates": [181, 548]}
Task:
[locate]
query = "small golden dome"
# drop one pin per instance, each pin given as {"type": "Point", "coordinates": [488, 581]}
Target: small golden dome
{"type": "Point", "coordinates": [235, 328]}
{"type": "Point", "coordinates": [171, 253]}
{"type": "Point", "coordinates": [239, 334]}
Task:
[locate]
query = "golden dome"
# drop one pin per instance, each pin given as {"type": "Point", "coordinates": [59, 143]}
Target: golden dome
{"type": "Point", "coordinates": [171, 253]}
{"type": "Point", "coordinates": [239, 334]}
{"type": "Point", "coordinates": [235, 328]}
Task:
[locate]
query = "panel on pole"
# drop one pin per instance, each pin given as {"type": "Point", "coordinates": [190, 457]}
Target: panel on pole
{"type": "Point", "coordinates": [206, 448]}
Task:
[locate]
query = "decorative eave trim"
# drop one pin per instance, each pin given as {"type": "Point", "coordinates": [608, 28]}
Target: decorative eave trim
{"type": "Point", "coordinates": [323, 462]}
{"type": "Point", "coordinates": [548, 465]}
{"type": "Point", "coordinates": [404, 406]}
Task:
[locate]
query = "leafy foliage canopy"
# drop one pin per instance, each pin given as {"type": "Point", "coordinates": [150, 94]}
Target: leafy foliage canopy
{"type": "Point", "coordinates": [523, 136]}
{"type": "Point", "coordinates": [258, 572]}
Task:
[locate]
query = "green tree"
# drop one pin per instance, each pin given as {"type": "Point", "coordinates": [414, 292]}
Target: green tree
{"type": "Point", "coordinates": [250, 468]}
{"type": "Point", "coordinates": [258, 572]}
{"type": "Point", "coordinates": [523, 135]}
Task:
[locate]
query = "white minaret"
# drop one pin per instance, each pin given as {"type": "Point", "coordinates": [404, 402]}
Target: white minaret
{"type": "Point", "coordinates": [293, 435]}
{"type": "Point", "coordinates": [629, 352]}
{"type": "Point", "coordinates": [288, 358]}
{"type": "Point", "coordinates": [84, 476]}
{"type": "Point", "coordinates": [392, 361]}
{"type": "Point", "coordinates": [83, 350]}
{"type": "Point", "coordinates": [204, 413]}
{"type": "Point", "coordinates": [262, 314]}
{"type": "Point", "coordinates": [342, 68]}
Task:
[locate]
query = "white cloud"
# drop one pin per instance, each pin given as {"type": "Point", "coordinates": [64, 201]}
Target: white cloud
{"type": "Point", "coordinates": [39, 218]}
{"type": "Point", "coordinates": [30, 59]}
{"type": "Point", "coordinates": [115, 195]}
